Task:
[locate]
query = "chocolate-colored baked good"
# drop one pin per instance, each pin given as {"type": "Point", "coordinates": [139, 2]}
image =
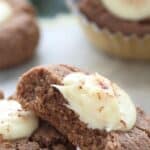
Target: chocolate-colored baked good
{"type": "Point", "coordinates": [92, 8]}
{"type": "Point", "coordinates": [121, 28]}
{"type": "Point", "coordinates": [54, 94]}
{"type": "Point", "coordinates": [45, 137]}
{"type": "Point", "coordinates": [19, 33]}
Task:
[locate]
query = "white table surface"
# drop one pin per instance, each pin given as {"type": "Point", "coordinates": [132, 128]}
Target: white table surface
{"type": "Point", "coordinates": [62, 41]}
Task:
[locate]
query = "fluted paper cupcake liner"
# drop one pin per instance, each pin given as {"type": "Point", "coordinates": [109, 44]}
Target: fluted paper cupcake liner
{"type": "Point", "coordinates": [116, 43]}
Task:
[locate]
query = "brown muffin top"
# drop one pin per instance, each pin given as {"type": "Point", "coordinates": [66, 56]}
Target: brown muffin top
{"type": "Point", "coordinates": [96, 12]}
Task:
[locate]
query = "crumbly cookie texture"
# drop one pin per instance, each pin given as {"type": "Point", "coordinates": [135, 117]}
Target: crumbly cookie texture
{"type": "Point", "coordinates": [45, 137]}
{"type": "Point", "coordinates": [35, 92]}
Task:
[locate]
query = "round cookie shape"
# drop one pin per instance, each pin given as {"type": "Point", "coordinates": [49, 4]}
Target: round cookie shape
{"type": "Point", "coordinates": [19, 32]}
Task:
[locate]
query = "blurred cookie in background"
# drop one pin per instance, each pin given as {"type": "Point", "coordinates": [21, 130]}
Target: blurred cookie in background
{"type": "Point", "coordinates": [19, 32]}
{"type": "Point", "coordinates": [120, 28]}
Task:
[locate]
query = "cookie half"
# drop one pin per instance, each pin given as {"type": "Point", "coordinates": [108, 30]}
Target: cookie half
{"type": "Point", "coordinates": [36, 91]}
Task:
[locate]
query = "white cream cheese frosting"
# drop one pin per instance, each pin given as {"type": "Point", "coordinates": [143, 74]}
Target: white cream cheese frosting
{"type": "Point", "coordinates": [133, 10]}
{"type": "Point", "coordinates": [15, 123]}
{"type": "Point", "coordinates": [98, 102]}
{"type": "Point", "coordinates": [6, 11]}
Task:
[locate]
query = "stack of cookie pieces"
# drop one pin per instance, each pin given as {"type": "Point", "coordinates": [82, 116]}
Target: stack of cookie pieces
{"type": "Point", "coordinates": [44, 137]}
{"type": "Point", "coordinates": [54, 94]}
{"type": "Point", "coordinates": [75, 110]}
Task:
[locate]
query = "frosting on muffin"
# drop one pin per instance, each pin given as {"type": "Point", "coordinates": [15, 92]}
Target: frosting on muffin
{"type": "Point", "coordinates": [133, 10]}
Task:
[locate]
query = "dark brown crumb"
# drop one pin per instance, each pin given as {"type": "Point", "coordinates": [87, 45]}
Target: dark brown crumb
{"type": "Point", "coordinates": [36, 93]}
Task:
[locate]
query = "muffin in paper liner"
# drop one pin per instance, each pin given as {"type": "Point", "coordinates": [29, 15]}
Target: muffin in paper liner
{"type": "Point", "coordinates": [116, 43]}
{"type": "Point", "coordinates": [123, 46]}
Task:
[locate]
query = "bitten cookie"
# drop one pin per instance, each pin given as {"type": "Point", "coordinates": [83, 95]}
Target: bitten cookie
{"type": "Point", "coordinates": [19, 32]}
{"type": "Point", "coordinates": [22, 130]}
{"type": "Point", "coordinates": [90, 110]}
